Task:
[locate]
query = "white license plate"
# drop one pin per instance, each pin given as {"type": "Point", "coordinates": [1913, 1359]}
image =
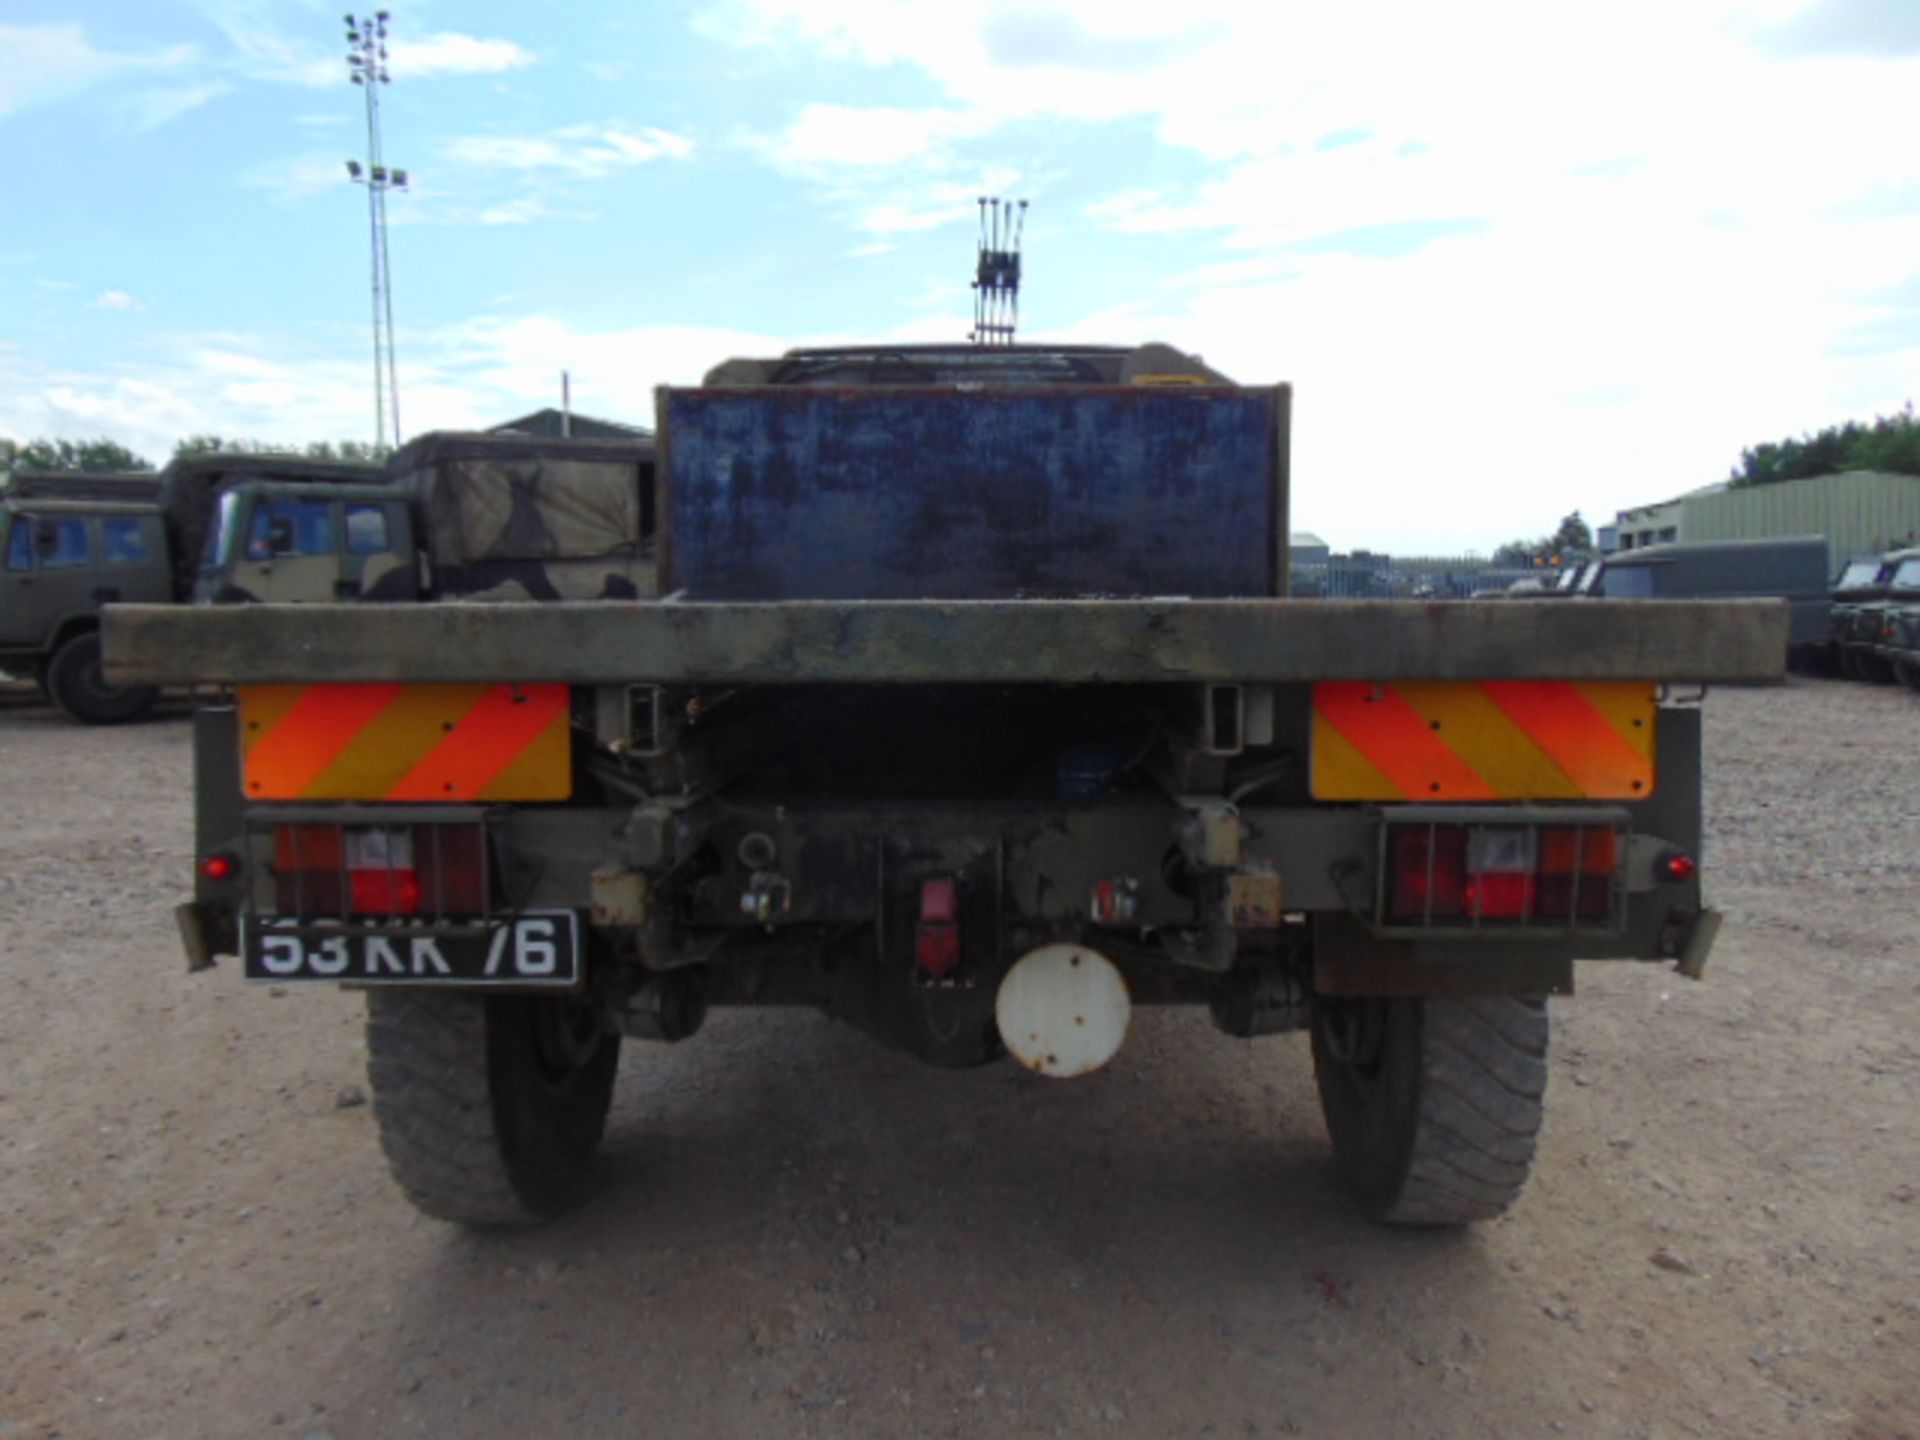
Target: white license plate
{"type": "Point", "coordinates": [535, 948]}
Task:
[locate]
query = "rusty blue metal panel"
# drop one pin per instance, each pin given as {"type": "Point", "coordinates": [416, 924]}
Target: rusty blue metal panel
{"type": "Point", "coordinates": [925, 493]}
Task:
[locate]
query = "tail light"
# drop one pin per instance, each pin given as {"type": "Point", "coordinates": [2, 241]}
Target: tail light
{"type": "Point", "coordinates": [1465, 874]}
{"type": "Point", "coordinates": [380, 870]}
{"type": "Point", "coordinates": [936, 940]}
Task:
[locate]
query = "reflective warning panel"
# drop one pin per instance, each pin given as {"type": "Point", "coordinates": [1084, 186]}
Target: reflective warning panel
{"type": "Point", "coordinates": [1483, 740]}
{"type": "Point", "coordinates": [405, 742]}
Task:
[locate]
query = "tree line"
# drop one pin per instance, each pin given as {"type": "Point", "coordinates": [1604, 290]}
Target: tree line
{"type": "Point", "coordinates": [1574, 538]}
{"type": "Point", "coordinates": [1890, 443]}
{"type": "Point", "coordinates": [102, 454]}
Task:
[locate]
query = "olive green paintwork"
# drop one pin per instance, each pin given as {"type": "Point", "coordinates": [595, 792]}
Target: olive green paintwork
{"type": "Point", "coordinates": [61, 560]}
{"type": "Point", "coordinates": [309, 544]}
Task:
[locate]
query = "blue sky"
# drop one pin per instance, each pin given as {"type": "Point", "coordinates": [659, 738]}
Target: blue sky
{"type": "Point", "coordinates": [1516, 258]}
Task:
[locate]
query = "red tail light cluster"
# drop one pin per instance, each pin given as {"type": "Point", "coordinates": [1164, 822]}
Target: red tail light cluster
{"type": "Point", "coordinates": [380, 870]}
{"type": "Point", "coordinates": [1502, 874]}
{"type": "Point", "coordinates": [936, 940]}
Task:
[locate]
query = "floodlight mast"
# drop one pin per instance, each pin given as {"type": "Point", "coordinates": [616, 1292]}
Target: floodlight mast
{"type": "Point", "coordinates": [996, 284]}
{"type": "Point", "coordinates": [367, 68]}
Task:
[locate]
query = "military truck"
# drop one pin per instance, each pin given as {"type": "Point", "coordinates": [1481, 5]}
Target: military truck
{"type": "Point", "coordinates": [1793, 568]}
{"type": "Point", "coordinates": [73, 544]}
{"type": "Point", "coordinates": [469, 515]}
{"type": "Point", "coordinates": [1896, 619]}
{"type": "Point", "coordinates": [1853, 627]}
{"type": "Point", "coordinates": [974, 714]}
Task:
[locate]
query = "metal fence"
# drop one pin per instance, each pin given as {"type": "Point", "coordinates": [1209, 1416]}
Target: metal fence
{"type": "Point", "coordinates": [1408, 577]}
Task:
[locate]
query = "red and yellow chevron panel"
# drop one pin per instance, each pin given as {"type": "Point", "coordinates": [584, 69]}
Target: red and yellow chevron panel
{"type": "Point", "coordinates": [405, 742]}
{"type": "Point", "coordinates": [1483, 740]}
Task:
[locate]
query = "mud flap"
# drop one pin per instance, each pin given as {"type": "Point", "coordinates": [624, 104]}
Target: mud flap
{"type": "Point", "coordinates": [1691, 960]}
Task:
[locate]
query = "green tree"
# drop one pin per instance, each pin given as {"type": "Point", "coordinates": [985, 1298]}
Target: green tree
{"type": "Point", "coordinates": [99, 454]}
{"type": "Point", "coordinates": [1574, 537]}
{"type": "Point", "coordinates": [1891, 443]}
{"type": "Point", "coordinates": [353, 451]}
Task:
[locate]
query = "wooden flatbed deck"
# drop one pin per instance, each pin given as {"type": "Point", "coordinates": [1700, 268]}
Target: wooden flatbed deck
{"type": "Point", "coordinates": [924, 642]}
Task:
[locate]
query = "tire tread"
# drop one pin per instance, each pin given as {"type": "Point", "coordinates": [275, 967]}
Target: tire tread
{"type": "Point", "coordinates": [1482, 1089]}
{"type": "Point", "coordinates": [427, 1068]}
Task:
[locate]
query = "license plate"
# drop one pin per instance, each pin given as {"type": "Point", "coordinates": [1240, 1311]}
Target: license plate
{"type": "Point", "coordinates": [535, 948]}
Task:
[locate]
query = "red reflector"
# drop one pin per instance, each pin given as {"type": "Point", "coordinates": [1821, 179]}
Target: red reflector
{"type": "Point", "coordinates": [306, 847]}
{"type": "Point", "coordinates": [384, 892]}
{"type": "Point", "coordinates": [1500, 895]}
{"type": "Point", "coordinates": [1429, 873]}
{"type": "Point", "coordinates": [939, 901]}
{"type": "Point", "coordinates": [1676, 866]}
{"type": "Point", "coordinates": [1565, 850]}
{"type": "Point", "coordinates": [217, 867]}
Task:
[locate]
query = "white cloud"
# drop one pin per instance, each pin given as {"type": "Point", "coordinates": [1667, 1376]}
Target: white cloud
{"type": "Point", "coordinates": [295, 178]}
{"type": "Point", "coordinates": [117, 300]}
{"type": "Point", "coordinates": [48, 63]}
{"type": "Point", "coordinates": [829, 136]}
{"type": "Point", "coordinates": [584, 151]}
{"type": "Point", "coordinates": [1518, 257]}
{"type": "Point", "coordinates": [150, 109]}
{"type": "Point", "coordinates": [294, 389]}
{"type": "Point", "coordinates": [268, 53]}
{"type": "Point", "coordinates": [448, 53]}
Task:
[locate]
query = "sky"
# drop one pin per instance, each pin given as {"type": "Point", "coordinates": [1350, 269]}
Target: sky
{"type": "Point", "coordinates": [1515, 258]}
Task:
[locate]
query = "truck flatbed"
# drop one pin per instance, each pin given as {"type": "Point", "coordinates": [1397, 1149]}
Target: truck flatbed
{"type": "Point", "coordinates": [989, 642]}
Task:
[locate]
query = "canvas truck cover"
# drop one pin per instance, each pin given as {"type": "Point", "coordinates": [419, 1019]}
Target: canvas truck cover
{"type": "Point", "coordinates": [526, 518]}
{"type": "Point", "coordinates": [107, 485]}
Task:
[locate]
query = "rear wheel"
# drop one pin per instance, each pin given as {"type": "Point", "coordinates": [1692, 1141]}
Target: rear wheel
{"type": "Point", "coordinates": [491, 1108]}
{"type": "Point", "coordinates": [1434, 1105]}
{"type": "Point", "coordinates": [77, 683]}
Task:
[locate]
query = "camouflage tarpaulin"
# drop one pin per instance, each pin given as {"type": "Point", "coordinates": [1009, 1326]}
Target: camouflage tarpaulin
{"type": "Point", "coordinates": [534, 508]}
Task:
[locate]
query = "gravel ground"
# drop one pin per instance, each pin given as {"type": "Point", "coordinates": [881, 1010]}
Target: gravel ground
{"type": "Point", "coordinates": [802, 1234]}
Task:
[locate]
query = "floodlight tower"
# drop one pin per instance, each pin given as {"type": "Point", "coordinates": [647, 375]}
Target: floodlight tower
{"type": "Point", "coordinates": [367, 68]}
{"type": "Point", "coordinates": [996, 284]}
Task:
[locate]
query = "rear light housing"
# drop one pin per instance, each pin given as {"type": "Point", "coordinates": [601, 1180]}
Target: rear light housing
{"type": "Point", "coordinates": [936, 938]}
{"type": "Point", "coordinates": [333, 871]}
{"type": "Point", "coordinates": [1464, 872]}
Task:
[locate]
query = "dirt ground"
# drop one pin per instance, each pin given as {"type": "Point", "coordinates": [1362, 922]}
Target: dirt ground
{"type": "Point", "coordinates": [801, 1234]}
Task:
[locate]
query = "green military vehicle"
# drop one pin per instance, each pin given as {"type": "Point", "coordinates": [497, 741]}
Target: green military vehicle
{"type": "Point", "coordinates": [477, 516]}
{"type": "Point", "coordinates": [1858, 591]}
{"type": "Point", "coordinates": [973, 712]}
{"type": "Point", "coordinates": [75, 543]}
{"type": "Point", "coordinates": [1896, 619]}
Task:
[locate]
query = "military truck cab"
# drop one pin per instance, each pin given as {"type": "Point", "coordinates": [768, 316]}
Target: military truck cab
{"type": "Point", "coordinates": [1892, 624]}
{"type": "Point", "coordinates": [1856, 598]}
{"type": "Point", "coordinates": [277, 543]}
{"type": "Point", "coordinates": [60, 561]}
{"type": "Point", "coordinates": [72, 543]}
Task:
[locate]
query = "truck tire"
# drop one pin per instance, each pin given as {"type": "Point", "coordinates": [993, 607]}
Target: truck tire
{"type": "Point", "coordinates": [77, 684]}
{"type": "Point", "coordinates": [490, 1108]}
{"type": "Point", "coordinates": [1433, 1104]}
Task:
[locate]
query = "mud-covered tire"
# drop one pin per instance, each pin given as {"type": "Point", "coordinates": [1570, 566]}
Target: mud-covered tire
{"type": "Point", "coordinates": [1907, 671]}
{"type": "Point", "coordinates": [490, 1108]}
{"type": "Point", "coordinates": [77, 683]}
{"type": "Point", "coordinates": [1434, 1105]}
